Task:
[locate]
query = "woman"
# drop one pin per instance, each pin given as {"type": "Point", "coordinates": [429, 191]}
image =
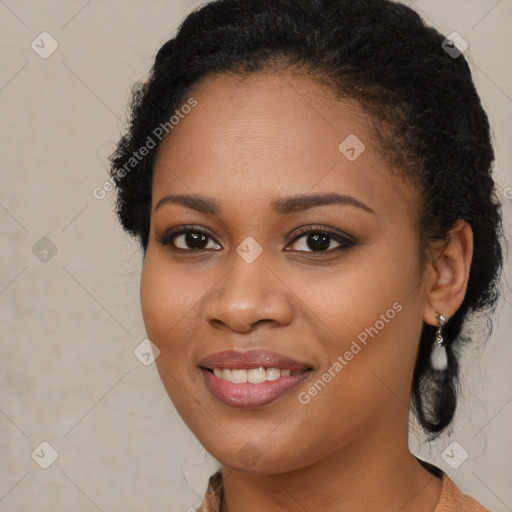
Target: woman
{"type": "Point", "coordinates": [310, 182]}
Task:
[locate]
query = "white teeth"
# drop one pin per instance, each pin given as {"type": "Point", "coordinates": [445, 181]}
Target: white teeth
{"type": "Point", "coordinates": [256, 375]}
{"type": "Point", "coordinates": [273, 373]}
{"type": "Point", "coordinates": [253, 376]}
{"type": "Point", "coordinates": [239, 376]}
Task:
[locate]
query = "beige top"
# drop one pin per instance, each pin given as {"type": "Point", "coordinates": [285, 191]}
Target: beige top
{"type": "Point", "coordinates": [451, 500]}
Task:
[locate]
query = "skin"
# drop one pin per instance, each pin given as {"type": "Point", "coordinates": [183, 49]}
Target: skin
{"type": "Point", "coordinates": [250, 140]}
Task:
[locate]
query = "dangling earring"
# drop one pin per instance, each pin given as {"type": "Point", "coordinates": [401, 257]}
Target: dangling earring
{"type": "Point", "coordinates": [438, 356]}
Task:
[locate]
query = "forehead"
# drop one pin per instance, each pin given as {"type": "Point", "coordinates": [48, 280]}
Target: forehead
{"type": "Point", "coordinates": [274, 116]}
{"type": "Point", "coordinates": [272, 134]}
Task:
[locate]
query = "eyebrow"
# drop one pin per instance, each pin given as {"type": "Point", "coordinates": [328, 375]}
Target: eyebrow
{"type": "Point", "coordinates": [281, 206]}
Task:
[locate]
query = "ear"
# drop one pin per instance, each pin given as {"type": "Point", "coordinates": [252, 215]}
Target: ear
{"type": "Point", "coordinates": [448, 273]}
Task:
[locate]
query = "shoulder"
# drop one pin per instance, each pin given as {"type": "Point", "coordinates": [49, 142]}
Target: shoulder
{"type": "Point", "coordinates": [453, 500]}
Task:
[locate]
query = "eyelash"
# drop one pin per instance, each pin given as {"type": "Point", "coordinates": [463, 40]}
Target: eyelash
{"type": "Point", "coordinates": [346, 242]}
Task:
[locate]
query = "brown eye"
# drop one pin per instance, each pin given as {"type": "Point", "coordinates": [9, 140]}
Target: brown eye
{"type": "Point", "coordinates": [321, 240]}
{"type": "Point", "coordinates": [316, 241]}
{"type": "Point", "coordinates": [188, 240]}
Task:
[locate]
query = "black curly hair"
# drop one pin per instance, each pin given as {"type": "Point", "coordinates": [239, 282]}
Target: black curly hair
{"type": "Point", "coordinates": [381, 54]}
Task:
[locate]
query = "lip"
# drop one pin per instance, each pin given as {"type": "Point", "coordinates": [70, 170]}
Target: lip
{"type": "Point", "coordinates": [250, 395]}
{"type": "Point", "coordinates": [232, 360]}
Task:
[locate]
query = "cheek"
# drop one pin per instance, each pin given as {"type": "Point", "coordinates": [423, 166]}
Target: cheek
{"type": "Point", "coordinates": [358, 301]}
{"type": "Point", "coordinates": [371, 321]}
{"type": "Point", "coordinates": [168, 303]}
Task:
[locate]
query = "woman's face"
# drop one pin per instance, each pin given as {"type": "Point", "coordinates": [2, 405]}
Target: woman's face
{"type": "Point", "coordinates": [334, 285]}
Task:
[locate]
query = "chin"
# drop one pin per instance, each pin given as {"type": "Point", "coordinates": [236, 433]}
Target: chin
{"type": "Point", "coordinates": [249, 454]}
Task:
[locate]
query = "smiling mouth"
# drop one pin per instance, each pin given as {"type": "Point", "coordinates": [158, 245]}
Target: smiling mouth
{"type": "Point", "coordinates": [253, 378]}
{"type": "Point", "coordinates": [252, 388]}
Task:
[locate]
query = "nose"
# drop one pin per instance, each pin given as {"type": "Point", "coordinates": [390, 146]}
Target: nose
{"type": "Point", "coordinates": [247, 295]}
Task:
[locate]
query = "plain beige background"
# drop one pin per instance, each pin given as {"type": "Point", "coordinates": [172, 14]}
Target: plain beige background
{"type": "Point", "coordinates": [70, 324]}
